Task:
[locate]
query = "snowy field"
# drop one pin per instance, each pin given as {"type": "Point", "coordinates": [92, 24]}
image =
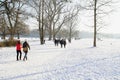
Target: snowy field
{"type": "Point", "coordinates": [78, 61]}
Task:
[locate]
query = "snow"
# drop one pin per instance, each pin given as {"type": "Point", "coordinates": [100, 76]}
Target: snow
{"type": "Point", "coordinates": [78, 61]}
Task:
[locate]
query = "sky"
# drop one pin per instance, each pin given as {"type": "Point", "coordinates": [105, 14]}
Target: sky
{"type": "Point", "coordinates": [112, 22]}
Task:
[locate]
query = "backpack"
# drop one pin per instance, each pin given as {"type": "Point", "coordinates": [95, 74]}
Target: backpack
{"type": "Point", "coordinates": [25, 49]}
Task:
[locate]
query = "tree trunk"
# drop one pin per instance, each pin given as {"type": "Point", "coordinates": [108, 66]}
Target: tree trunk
{"type": "Point", "coordinates": [11, 34]}
{"type": "Point", "coordinates": [95, 31]}
{"type": "Point", "coordinates": [54, 36]}
{"type": "Point", "coordinates": [50, 31]}
{"type": "Point", "coordinates": [4, 34]}
{"type": "Point", "coordinates": [42, 29]}
{"type": "Point", "coordinates": [39, 18]}
{"type": "Point", "coordinates": [70, 35]}
{"type": "Point", "coordinates": [41, 21]}
{"type": "Point", "coordinates": [18, 35]}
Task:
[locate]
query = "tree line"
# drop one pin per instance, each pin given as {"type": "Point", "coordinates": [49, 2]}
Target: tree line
{"type": "Point", "coordinates": [56, 17]}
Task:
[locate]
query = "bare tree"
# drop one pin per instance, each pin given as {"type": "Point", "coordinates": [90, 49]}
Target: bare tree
{"type": "Point", "coordinates": [53, 10]}
{"type": "Point", "coordinates": [21, 29]}
{"type": "Point", "coordinates": [38, 8]}
{"type": "Point", "coordinates": [12, 10]}
{"type": "Point", "coordinates": [51, 15]}
{"type": "Point", "coordinates": [72, 22]}
{"type": "Point", "coordinates": [71, 27]}
{"type": "Point", "coordinates": [48, 14]}
{"type": "Point", "coordinates": [57, 15]}
{"type": "Point", "coordinates": [100, 8]}
{"type": "Point", "coordinates": [3, 27]}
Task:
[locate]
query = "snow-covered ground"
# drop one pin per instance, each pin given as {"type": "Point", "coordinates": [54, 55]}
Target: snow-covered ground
{"type": "Point", "coordinates": [78, 61]}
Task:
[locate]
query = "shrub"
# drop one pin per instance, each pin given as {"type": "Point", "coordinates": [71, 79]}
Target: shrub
{"type": "Point", "coordinates": [8, 43]}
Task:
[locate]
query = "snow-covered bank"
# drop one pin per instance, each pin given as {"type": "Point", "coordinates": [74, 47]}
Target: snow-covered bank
{"type": "Point", "coordinates": [78, 61]}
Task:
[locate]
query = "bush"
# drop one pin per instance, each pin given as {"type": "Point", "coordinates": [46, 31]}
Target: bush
{"type": "Point", "coordinates": [8, 43]}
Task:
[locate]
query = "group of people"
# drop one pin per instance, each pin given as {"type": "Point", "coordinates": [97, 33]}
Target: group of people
{"type": "Point", "coordinates": [62, 42]}
{"type": "Point", "coordinates": [26, 46]}
{"type": "Point", "coordinates": [19, 47]}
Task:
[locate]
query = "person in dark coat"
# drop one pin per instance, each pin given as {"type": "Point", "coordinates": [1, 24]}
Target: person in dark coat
{"type": "Point", "coordinates": [61, 42]}
{"type": "Point", "coordinates": [25, 49]}
{"type": "Point", "coordinates": [55, 42]}
{"type": "Point", "coordinates": [18, 50]}
{"type": "Point", "coordinates": [64, 43]}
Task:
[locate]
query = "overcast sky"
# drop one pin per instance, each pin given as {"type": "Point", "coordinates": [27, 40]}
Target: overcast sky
{"type": "Point", "coordinates": [112, 21]}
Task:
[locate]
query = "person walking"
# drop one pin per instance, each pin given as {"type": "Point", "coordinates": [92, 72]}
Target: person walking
{"type": "Point", "coordinates": [61, 43]}
{"type": "Point", "coordinates": [25, 49]}
{"type": "Point", "coordinates": [64, 43]}
{"type": "Point", "coordinates": [18, 50]}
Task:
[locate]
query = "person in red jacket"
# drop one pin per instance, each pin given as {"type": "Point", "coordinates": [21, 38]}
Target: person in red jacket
{"type": "Point", "coordinates": [18, 50]}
